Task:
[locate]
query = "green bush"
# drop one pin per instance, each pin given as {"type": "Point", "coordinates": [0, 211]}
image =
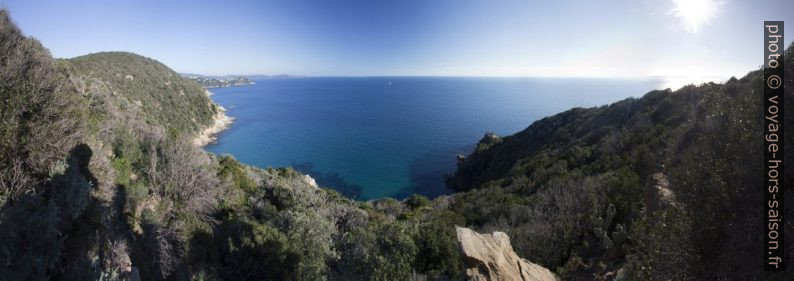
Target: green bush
{"type": "Point", "coordinates": [384, 252]}
{"type": "Point", "coordinates": [230, 169]}
{"type": "Point", "coordinates": [438, 252]}
{"type": "Point", "coordinates": [416, 201]}
{"type": "Point", "coordinates": [254, 251]}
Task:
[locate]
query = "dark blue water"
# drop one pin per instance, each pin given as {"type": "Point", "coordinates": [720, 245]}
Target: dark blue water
{"type": "Point", "coordinates": [391, 136]}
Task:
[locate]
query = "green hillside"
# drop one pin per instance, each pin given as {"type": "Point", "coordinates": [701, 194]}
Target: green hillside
{"type": "Point", "coordinates": [585, 176]}
{"type": "Point", "coordinates": [147, 88]}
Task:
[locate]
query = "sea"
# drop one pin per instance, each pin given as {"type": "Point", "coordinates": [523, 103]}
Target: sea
{"type": "Point", "coordinates": [376, 137]}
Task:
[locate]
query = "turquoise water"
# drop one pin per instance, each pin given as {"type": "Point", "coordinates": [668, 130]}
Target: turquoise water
{"type": "Point", "coordinates": [375, 137]}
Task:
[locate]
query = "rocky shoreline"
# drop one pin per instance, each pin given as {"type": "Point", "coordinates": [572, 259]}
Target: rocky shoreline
{"type": "Point", "coordinates": [220, 122]}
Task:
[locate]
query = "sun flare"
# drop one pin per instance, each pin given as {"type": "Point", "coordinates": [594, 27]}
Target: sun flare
{"type": "Point", "coordinates": [694, 13]}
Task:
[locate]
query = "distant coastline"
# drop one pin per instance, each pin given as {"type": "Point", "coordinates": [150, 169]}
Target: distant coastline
{"type": "Point", "coordinates": [220, 121]}
{"type": "Point", "coordinates": [220, 82]}
{"type": "Point", "coordinates": [225, 86]}
{"type": "Point", "coordinates": [210, 82]}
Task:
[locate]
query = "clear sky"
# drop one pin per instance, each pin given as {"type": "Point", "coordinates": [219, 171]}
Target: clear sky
{"type": "Point", "coordinates": [630, 38]}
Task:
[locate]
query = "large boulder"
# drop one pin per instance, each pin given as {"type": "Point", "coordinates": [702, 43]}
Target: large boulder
{"type": "Point", "coordinates": [658, 195]}
{"type": "Point", "coordinates": [491, 257]}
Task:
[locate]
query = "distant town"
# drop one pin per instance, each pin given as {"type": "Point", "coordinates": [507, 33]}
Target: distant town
{"type": "Point", "coordinates": [231, 80]}
{"type": "Point", "coordinates": [220, 82]}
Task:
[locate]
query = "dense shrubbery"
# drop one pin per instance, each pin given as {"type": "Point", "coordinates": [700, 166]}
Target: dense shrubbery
{"type": "Point", "coordinates": [44, 179]}
{"type": "Point", "coordinates": [314, 234]}
{"type": "Point", "coordinates": [39, 110]}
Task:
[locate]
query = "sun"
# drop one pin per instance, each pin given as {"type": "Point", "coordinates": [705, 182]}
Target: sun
{"type": "Point", "coordinates": [694, 12]}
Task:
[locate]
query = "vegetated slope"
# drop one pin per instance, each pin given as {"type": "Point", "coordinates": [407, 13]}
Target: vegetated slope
{"type": "Point", "coordinates": [164, 97]}
{"type": "Point", "coordinates": [36, 104]}
{"type": "Point", "coordinates": [39, 151]}
{"type": "Point", "coordinates": [576, 192]}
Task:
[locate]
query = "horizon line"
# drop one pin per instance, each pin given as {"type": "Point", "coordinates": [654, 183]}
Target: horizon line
{"type": "Point", "coordinates": [465, 76]}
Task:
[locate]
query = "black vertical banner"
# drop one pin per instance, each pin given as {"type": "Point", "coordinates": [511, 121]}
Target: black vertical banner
{"type": "Point", "coordinates": [774, 46]}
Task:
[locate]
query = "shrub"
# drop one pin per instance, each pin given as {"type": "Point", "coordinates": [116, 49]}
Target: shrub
{"type": "Point", "coordinates": [254, 251]}
{"type": "Point", "coordinates": [310, 237]}
{"type": "Point", "coordinates": [382, 252]}
{"type": "Point", "coordinates": [416, 201]}
{"type": "Point", "coordinates": [438, 253]}
{"type": "Point", "coordinates": [230, 169]}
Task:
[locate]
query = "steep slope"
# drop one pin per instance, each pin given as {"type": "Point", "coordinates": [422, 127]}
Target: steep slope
{"type": "Point", "coordinates": [164, 98]}
{"type": "Point", "coordinates": [582, 175]}
{"type": "Point", "coordinates": [583, 138]}
{"type": "Point", "coordinates": [36, 106]}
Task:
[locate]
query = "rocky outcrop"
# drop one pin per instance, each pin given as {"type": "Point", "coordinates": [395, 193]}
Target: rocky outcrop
{"type": "Point", "coordinates": [658, 195]}
{"type": "Point", "coordinates": [487, 141]}
{"type": "Point", "coordinates": [491, 257]}
{"type": "Point", "coordinates": [310, 181]}
{"type": "Point", "coordinates": [220, 122]}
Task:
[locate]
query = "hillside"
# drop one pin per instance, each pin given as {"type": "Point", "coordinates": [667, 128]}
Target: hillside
{"type": "Point", "coordinates": [146, 87]}
{"type": "Point", "coordinates": [595, 178]}
{"type": "Point", "coordinates": [99, 179]}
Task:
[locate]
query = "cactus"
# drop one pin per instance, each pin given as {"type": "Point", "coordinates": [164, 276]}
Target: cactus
{"type": "Point", "coordinates": [619, 235]}
{"type": "Point", "coordinates": [598, 222]}
{"type": "Point", "coordinates": [605, 240]}
{"type": "Point", "coordinates": [611, 212]}
{"type": "Point", "coordinates": [602, 225]}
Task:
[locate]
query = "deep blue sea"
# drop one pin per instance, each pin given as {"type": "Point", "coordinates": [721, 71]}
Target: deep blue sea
{"type": "Point", "coordinates": [380, 137]}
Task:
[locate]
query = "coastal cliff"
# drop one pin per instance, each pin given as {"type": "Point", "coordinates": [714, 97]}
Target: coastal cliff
{"type": "Point", "coordinates": [220, 122]}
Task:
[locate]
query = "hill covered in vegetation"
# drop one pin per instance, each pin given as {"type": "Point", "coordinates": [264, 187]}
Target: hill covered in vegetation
{"type": "Point", "coordinates": [99, 179]}
{"type": "Point", "coordinates": [142, 86]}
{"type": "Point", "coordinates": [663, 187]}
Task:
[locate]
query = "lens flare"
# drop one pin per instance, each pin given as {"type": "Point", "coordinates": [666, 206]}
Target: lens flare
{"type": "Point", "coordinates": [694, 13]}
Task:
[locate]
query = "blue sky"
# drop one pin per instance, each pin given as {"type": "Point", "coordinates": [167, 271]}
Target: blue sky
{"type": "Point", "coordinates": [631, 38]}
